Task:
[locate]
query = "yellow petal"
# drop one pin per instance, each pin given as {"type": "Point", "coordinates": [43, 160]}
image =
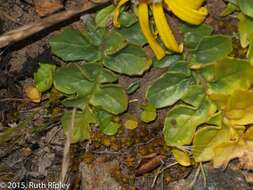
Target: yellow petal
{"type": "Point", "coordinates": [185, 13]}
{"type": "Point", "coordinates": [164, 30]}
{"type": "Point", "coordinates": [115, 19]}
{"type": "Point", "coordinates": [144, 23]}
{"type": "Point", "coordinates": [194, 4]}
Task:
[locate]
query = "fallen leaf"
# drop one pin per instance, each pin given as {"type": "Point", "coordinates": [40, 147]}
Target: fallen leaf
{"type": "Point", "coordinates": [47, 7]}
{"type": "Point", "coordinates": [148, 165]}
{"type": "Point", "coordinates": [32, 93]}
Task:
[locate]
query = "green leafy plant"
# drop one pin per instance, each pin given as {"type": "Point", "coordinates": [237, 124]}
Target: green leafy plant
{"type": "Point", "coordinates": [208, 93]}
{"type": "Point", "coordinates": [88, 81]}
{"type": "Point", "coordinates": [210, 97]}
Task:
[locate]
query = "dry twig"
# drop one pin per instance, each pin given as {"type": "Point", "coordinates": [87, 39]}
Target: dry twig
{"type": "Point", "coordinates": [30, 29]}
{"type": "Point", "coordinates": [65, 160]}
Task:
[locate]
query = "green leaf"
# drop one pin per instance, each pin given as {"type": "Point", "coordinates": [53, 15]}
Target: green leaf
{"type": "Point", "coordinates": [75, 102]}
{"type": "Point", "coordinates": [235, 2]}
{"type": "Point", "coordinates": [211, 49]}
{"type": "Point", "coordinates": [70, 45]}
{"type": "Point", "coordinates": [133, 87]}
{"type": "Point", "coordinates": [246, 34]}
{"type": "Point", "coordinates": [149, 113]}
{"type": "Point", "coordinates": [111, 98]}
{"type": "Point", "coordinates": [113, 42]}
{"type": "Point", "coordinates": [131, 60]}
{"type": "Point", "coordinates": [133, 34]}
{"type": "Point", "coordinates": [250, 52]}
{"type": "Point", "coordinates": [104, 16]}
{"type": "Point", "coordinates": [194, 34]}
{"type": "Point", "coordinates": [182, 121]}
{"type": "Point", "coordinates": [127, 19]}
{"type": "Point", "coordinates": [90, 83]}
{"type": "Point", "coordinates": [168, 89]}
{"type": "Point", "coordinates": [180, 67]}
{"type": "Point", "coordinates": [194, 96]}
{"type": "Point", "coordinates": [106, 123]}
{"type": "Point", "coordinates": [82, 121]}
{"type": "Point", "coordinates": [229, 9]}
{"type": "Point", "coordinates": [44, 77]}
{"type": "Point", "coordinates": [70, 80]}
{"type": "Point", "coordinates": [166, 61]}
{"type": "Point", "coordinates": [246, 6]}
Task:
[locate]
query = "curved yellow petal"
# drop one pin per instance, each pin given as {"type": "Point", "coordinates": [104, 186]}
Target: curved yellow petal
{"type": "Point", "coordinates": [144, 24]}
{"type": "Point", "coordinates": [115, 19]}
{"type": "Point", "coordinates": [185, 13]}
{"type": "Point", "coordinates": [163, 28]}
{"type": "Point", "coordinates": [194, 4]}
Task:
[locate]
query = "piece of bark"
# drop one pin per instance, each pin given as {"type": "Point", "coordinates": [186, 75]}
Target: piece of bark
{"type": "Point", "coordinates": [47, 7]}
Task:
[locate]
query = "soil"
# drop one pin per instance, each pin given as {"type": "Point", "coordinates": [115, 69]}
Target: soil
{"type": "Point", "coordinates": [33, 150]}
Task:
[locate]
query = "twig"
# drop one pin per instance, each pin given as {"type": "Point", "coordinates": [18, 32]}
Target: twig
{"type": "Point", "coordinates": [14, 99]}
{"type": "Point", "coordinates": [65, 160]}
{"type": "Point", "coordinates": [202, 169]}
{"type": "Point", "coordinates": [156, 176]}
{"type": "Point", "coordinates": [196, 175]}
{"type": "Point", "coordinates": [160, 171]}
{"type": "Point", "coordinates": [30, 29]}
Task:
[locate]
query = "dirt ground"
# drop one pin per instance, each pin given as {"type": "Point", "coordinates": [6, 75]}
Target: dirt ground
{"type": "Point", "coordinates": [34, 149]}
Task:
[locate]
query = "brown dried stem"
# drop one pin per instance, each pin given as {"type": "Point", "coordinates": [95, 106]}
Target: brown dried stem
{"type": "Point", "coordinates": [23, 32]}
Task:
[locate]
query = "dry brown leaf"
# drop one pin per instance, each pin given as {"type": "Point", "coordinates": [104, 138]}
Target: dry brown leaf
{"type": "Point", "coordinates": [148, 165]}
{"type": "Point", "coordinates": [47, 7]}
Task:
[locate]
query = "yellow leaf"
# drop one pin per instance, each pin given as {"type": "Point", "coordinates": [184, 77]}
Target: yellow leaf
{"type": "Point", "coordinates": [239, 108]}
{"type": "Point", "coordinates": [228, 151]}
{"type": "Point", "coordinates": [181, 157]}
{"type": "Point", "coordinates": [130, 122]}
{"type": "Point", "coordinates": [32, 93]}
{"type": "Point", "coordinates": [248, 135]}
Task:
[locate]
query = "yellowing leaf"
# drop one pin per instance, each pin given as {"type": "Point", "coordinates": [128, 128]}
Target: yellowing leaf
{"type": "Point", "coordinates": [239, 109]}
{"type": "Point", "coordinates": [32, 93]}
{"type": "Point", "coordinates": [149, 113]}
{"type": "Point", "coordinates": [226, 152]}
{"type": "Point", "coordinates": [82, 123]}
{"type": "Point", "coordinates": [229, 75]}
{"type": "Point", "coordinates": [181, 157]}
{"type": "Point", "coordinates": [208, 138]}
{"type": "Point", "coordinates": [182, 121]}
{"type": "Point", "coordinates": [245, 29]}
{"type": "Point", "coordinates": [130, 122]}
{"type": "Point", "coordinates": [248, 135]}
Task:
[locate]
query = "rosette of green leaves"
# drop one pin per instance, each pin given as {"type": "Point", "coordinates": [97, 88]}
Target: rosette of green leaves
{"type": "Point", "coordinates": [92, 87]}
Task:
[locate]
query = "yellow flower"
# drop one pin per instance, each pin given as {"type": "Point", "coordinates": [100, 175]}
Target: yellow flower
{"type": "Point", "coordinates": [189, 11]}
